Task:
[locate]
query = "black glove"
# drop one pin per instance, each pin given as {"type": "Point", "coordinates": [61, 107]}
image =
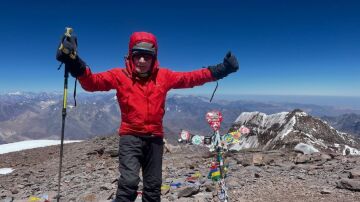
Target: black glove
{"type": "Point", "coordinates": [67, 53]}
{"type": "Point", "coordinates": [229, 65]}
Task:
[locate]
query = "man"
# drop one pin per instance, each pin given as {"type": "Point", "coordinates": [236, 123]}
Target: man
{"type": "Point", "coordinates": [141, 89]}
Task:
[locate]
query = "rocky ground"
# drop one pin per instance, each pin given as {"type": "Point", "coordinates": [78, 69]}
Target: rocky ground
{"type": "Point", "coordinates": [90, 174]}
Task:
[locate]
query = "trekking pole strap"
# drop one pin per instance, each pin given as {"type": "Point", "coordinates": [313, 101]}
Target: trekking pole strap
{"type": "Point", "coordinates": [75, 92]}
{"type": "Point", "coordinates": [212, 96]}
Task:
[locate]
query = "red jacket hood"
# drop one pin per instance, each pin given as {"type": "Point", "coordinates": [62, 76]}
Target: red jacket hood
{"type": "Point", "coordinates": [138, 37]}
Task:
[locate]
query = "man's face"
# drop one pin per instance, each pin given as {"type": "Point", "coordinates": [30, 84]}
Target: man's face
{"type": "Point", "coordinates": [142, 62]}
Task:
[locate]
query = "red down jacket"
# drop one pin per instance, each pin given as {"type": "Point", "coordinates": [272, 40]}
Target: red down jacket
{"type": "Point", "coordinates": [142, 101]}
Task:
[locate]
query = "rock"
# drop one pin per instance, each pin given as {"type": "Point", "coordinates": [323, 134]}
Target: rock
{"type": "Point", "coordinates": [192, 166]}
{"type": "Point", "coordinates": [52, 195]}
{"type": "Point", "coordinates": [202, 180]}
{"type": "Point", "coordinates": [91, 153]}
{"type": "Point", "coordinates": [14, 191]}
{"type": "Point", "coordinates": [100, 151]}
{"type": "Point", "coordinates": [112, 153]}
{"type": "Point", "coordinates": [302, 159]}
{"type": "Point", "coordinates": [202, 197]}
{"type": "Point", "coordinates": [209, 186]}
{"type": "Point", "coordinates": [355, 173]}
{"type": "Point", "coordinates": [106, 186]}
{"type": "Point", "coordinates": [313, 172]}
{"type": "Point", "coordinates": [257, 160]}
{"type": "Point", "coordinates": [244, 161]}
{"type": "Point", "coordinates": [88, 197]}
{"type": "Point", "coordinates": [231, 183]}
{"type": "Point", "coordinates": [184, 200]}
{"type": "Point", "coordinates": [171, 148]}
{"type": "Point", "coordinates": [285, 165]}
{"type": "Point", "coordinates": [4, 193]}
{"type": "Point", "coordinates": [349, 184]}
{"type": "Point", "coordinates": [326, 157]}
{"type": "Point", "coordinates": [8, 199]}
{"type": "Point", "coordinates": [305, 148]}
{"type": "Point", "coordinates": [301, 177]}
{"type": "Point", "coordinates": [325, 191]}
{"type": "Point", "coordinates": [347, 151]}
{"type": "Point", "coordinates": [334, 155]}
{"type": "Point", "coordinates": [254, 169]}
{"type": "Point", "coordinates": [172, 197]}
{"type": "Point", "coordinates": [188, 191]}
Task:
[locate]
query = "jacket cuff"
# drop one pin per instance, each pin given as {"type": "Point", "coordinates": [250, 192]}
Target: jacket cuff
{"type": "Point", "coordinates": [218, 71]}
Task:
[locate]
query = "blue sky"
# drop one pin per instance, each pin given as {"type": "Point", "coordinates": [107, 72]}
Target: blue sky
{"type": "Point", "coordinates": [297, 47]}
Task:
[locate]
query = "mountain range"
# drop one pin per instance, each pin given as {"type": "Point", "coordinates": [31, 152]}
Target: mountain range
{"type": "Point", "coordinates": [26, 115]}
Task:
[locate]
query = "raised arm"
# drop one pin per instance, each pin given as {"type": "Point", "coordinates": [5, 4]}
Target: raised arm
{"type": "Point", "coordinates": [67, 54]}
{"type": "Point", "coordinates": [200, 77]}
{"type": "Point", "coordinates": [103, 81]}
{"type": "Point", "coordinates": [189, 79]}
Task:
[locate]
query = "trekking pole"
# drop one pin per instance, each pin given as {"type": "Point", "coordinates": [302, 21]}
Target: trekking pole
{"type": "Point", "coordinates": [66, 76]}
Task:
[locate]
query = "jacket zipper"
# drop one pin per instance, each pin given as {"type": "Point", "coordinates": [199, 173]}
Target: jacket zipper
{"type": "Point", "coordinates": [147, 107]}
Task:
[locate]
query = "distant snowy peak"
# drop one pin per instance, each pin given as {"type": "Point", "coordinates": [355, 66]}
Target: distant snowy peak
{"type": "Point", "coordinates": [47, 103]}
{"type": "Point", "coordinates": [287, 129]}
{"type": "Point", "coordinates": [15, 93]}
{"type": "Point", "coordinates": [189, 98]}
{"type": "Point", "coordinates": [261, 119]}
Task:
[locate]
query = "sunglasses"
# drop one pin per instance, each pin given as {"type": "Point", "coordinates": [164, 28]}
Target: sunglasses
{"type": "Point", "coordinates": [146, 56]}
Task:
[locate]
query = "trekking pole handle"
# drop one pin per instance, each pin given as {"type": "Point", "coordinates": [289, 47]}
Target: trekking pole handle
{"type": "Point", "coordinates": [67, 35]}
{"type": "Point", "coordinates": [69, 31]}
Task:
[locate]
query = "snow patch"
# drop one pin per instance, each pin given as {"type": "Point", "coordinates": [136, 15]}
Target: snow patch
{"type": "Point", "coordinates": [287, 129]}
{"type": "Point", "coordinates": [30, 144]}
{"type": "Point", "coordinates": [4, 171]}
{"type": "Point", "coordinates": [261, 119]}
{"type": "Point", "coordinates": [301, 114]}
{"type": "Point", "coordinates": [341, 134]}
{"type": "Point", "coordinates": [353, 151]}
{"type": "Point", "coordinates": [305, 148]}
{"type": "Point", "coordinates": [309, 135]}
{"type": "Point", "coordinates": [314, 140]}
{"type": "Point", "coordinates": [246, 143]}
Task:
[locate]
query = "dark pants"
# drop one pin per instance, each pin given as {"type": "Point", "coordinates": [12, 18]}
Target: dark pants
{"type": "Point", "coordinates": [136, 152]}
